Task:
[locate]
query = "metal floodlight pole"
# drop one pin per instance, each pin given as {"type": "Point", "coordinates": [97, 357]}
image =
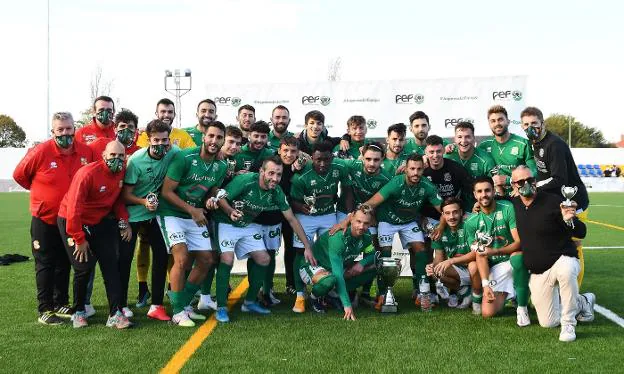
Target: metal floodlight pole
{"type": "Point", "coordinates": [178, 90]}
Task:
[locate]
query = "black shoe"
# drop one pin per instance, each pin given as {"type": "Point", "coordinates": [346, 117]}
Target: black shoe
{"type": "Point", "coordinates": [319, 305]}
{"type": "Point", "coordinates": [63, 311]}
{"type": "Point", "coordinates": [290, 290]}
{"type": "Point", "coordinates": [49, 318]}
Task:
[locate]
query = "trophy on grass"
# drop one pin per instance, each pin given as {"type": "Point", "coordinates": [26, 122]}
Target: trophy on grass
{"type": "Point", "coordinates": [388, 271]}
{"type": "Point", "coordinates": [568, 193]}
{"type": "Point", "coordinates": [483, 240]}
{"type": "Point", "coordinates": [310, 201]}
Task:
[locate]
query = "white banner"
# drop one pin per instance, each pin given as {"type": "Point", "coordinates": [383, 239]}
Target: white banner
{"type": "Point", "coordinates": [382, 103]}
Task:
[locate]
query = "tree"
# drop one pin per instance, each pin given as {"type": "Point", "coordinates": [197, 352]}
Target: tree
{"type": "Point", "coordinates": [582, 136]}
{"type": "Point", "coordinates": [11, 135]}
{"type": "Point", "coordinates": [333, 70]}
{"type": "Point", "coordinates": [98, 86]}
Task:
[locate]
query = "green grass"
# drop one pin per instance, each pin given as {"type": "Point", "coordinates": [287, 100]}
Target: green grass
{"type": "Point", "coordinates": [443, 341]}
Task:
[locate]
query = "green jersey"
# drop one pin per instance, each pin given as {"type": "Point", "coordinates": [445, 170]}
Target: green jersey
{"type": "Point", "coordinates": [391, 166]}
{"type": "Point", "coordinates": [195, 178]}
{"type": "Point", "coordinates": [497, 223]}
{"type": "Point", "coordinates": [453, 243]}
{"type": "Point", "coordinates": [481, 163]}
{"type": "Point", "coordinates": [195, 134]}
{"type": "Point", "coordinates": [363, 185]}
{"type": "Point", "coordinates": [245, 188]}
{"type": "Point", "coordinates": [353, 152]}
{"type": "Point", "coordinates": [334, 252]}
{"type": "Point", "coordinates": [507, 156]}
{"type": "Point", "coordinates": [412, 147]}
{"type": "Point", "coordinates": [324, 187]}
{"type": "Point", "coordinates": [274, 141]}
{"type": "Point", "coordinates": [403, 202]}
{"type": "Point", "coordinates": [146, 174]}
{"type": "Point", "coordinates": [251, 160]}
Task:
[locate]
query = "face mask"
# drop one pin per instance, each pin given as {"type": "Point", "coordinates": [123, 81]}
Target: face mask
{"type": "Point", "coordinates": [115, 164]}
{"type": "Point", "coordinates": [104, 117]}
{"type": "Point", "coordinates": [527, 190]}
{"type": "Point", "coordinates": [533, 133]}
{"type": "Point", "coordinates": [125, 136]}
{"type": "Point", "coordinates": [64, 141]}
{"type": "Point", "coordinates": [158, 150]}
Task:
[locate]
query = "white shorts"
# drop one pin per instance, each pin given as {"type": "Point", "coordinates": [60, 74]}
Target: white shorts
{"type": "Point", "coordinates": [176, 230]}
{"type": "Point", "coordinates": [272, 236]}
{"type": "Point", "coordinates": [340, 216]}
{"type": "Point", "coordinates": [313, 226]}
{"type": "Point", "coordinates": [240, 240]}
{"type": "Point", "coordinates": [464, 275]}
{"type": "Point", "coordinates": [408, 233]}
{"type": "Point", "coordinates": [502, 273]}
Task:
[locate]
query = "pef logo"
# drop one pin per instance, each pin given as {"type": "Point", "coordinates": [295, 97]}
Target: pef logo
{"type": "Point", "coordinates": [409, 98]}
{"type": "Point", "coordinates": [228, 100]}
{"type": "Point", "coordinates": [507, 95]}
{"type": "Point", "coordinates": [454, 121]}
{"type": "Point", "coordinates": [315, 100]}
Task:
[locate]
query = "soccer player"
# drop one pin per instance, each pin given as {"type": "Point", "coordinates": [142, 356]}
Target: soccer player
{"type": "Point", "coordinates": [337, 268]}
{"type": "Point", "coordinates": [165, 112]}
{"type": "Point", "coordinates": [314, 132]}
{"type": "Point", "coordinates": [317, 181]}
{"type": "Point", "coordinates": [206, 114]}
{"type": "Point", "coordinates": [453, 263]}
{"type": "Point", "coordinates": [144, 177]}
{"type": "Point", "coordinates": [101, 125]}
{"type": "Point", "coordinates": [280, 118]}
{"type": "Point", "coordinates": [250, 194]}
{"type": "Point", "coordinates": [125, 127]}
{"type": "Point", "coordinates": [500, 264]}
{"type": "Point", "coordinates": [47, 171]}
{"type": "Point", "coordinates": [255, 151]}
{"type": "Point", "coordinates": [90, 232]}
{"type": "Point", "coordinates": [546, 228]}
{"type": "Point", "coordinates": [396, 157]}
{"type": "Point", "coordinates": [508, 150]}
{"type": "Point", "coordinates": [193, 175]}
{"type": "Point", "coordinates": [398, 206]}
{"type": "Point", "coordinates": [555, 167]}
{"type": "Point", "coordinates": [245, 118]}
{"type": "Point", "coordinates": [420, 127]}
{"type": "Point", "coordinates": [356, 138]}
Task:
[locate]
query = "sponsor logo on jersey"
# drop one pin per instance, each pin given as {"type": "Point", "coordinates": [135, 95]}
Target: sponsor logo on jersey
{"type": "Point", "coordinates": [514, 151]}
{"type": "Point", "coordinates": [313, 182]}
{"type": "Point", "coordinates": [335, 173]}
{"type": "Point", "coordinates": [194, 163]}
{"type": "Point", "coordinates": [53, 165]}
{"type": "Point", "coordinates": [474, 166]}
{"type": "Point", "coordinates": [447, 177]}
{"type": "Point", "coordinates": [499, 215]}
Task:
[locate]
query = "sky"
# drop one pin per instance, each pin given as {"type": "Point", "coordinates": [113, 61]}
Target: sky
{"type": "Point", "coordinates": [571, 51]}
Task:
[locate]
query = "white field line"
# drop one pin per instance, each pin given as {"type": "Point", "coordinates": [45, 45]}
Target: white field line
{"type": "Point", "coordinates": [609, 315]}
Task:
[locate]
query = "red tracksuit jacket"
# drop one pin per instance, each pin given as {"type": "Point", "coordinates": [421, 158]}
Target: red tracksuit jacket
{"type": "Point", "coordinates": [92, 131]}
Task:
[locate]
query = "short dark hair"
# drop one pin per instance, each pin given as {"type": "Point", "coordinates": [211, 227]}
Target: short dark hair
{"type": "Point", "coordinates": [323, 146]}
{"type": "Point", "coordinates": [414, 157]}
{"type": "Point", "coordinates": [164, 101]}
{"type": "Point", "coordinates": [482, 179]}
{"type": "Point", "coordinates": [465, 125]}
{"type": "Point", "coordinates": [532, 111]}
{"type": "Point", "coordinates": [261, 127]}
{"type": "Point", "coordinates": [356, 120]}
{"type": "Point", "coordinates": [155, 126]}
{"type": "Point", "coordinates": [233, 131]}
{"type": "Point", "coordinates": [218, 125]}
{"type": "Point", "coordinates": [497, 109]}
{"type": "Point", "coordinates": [248, 107]}
{"type": "Point", "coordinates": [280, 107]}
{"type": "Point", "coordinates": [207, 101]}
{"type": "Point", "coordinates": [274, 159]}
{"type": "Point", "coordinates": [418, 115]}
{"type": "Point", "coordinates": [315, 115]}
{"type": "Point", "coordinates": [450, 201]}
{"type": "Point", "coordinates": [434, 140]}
{"type": "Point", "coordinates": [399, 128]}
{"type": "Point", "coordinates": [126, 116]}
{"type": "Point", "coordinates": [104, 98]}
{"type": "Point", "coordinates": [375, 147]}
{"type": "Point", "coordinates": [290, 140]}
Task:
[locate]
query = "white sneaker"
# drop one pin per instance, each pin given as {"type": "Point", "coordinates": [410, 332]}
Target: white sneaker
{"type": "Point", "coordinates": [206, 303]}
{"type": "Point", "coordinates": [465, 303]}
{"type": "Point", "coordinates": [441, 290]}
{"type": "Point", "coordinates": [182, 319]}
{"type": "Point", "coordinates": [192, 315]}
{"type": "Point", "coordinates": [522, 316]}
{"type": "Point", "coordinates": [89, 310]}
{"type": "Point", "coordinates": [127, 312]}
{"type": "Point", "coordinates": [586, 314]}
{"type": "Point", "coordinates": [452, 301]}
{"type": "Point", "coordinates": [567, 334]}
{"type": "Point", "coordinates": [476, 309]}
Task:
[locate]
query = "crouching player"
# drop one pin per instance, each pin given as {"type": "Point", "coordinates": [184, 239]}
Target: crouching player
{"type": "Point", "coordinates": [337, 268]}
{"type": "Point", "coordinates": [453, 264]}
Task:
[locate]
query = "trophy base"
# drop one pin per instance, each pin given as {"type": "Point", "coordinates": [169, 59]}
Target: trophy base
{"type": "Point", "coordinates": [389, 308]}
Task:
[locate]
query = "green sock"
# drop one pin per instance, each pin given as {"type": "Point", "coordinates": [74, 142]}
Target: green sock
{"type": "Point", "coordinates": [207, 283]}
{"type": "Point", "coordinates": [270, 273]}
{"type": "Point", "coordinates": [520, 279]}
{"type": "Point", "coordinates": [176, 301]}
{"type": "Point", "coordinates": [477, 299]}
{"type": "Point", "coordinates": [257, 275]}
{"type": "Point", "coordinates": [418, 261]}
{"type": "Point", "coordinates": [223, 280]}
{"type": "Point", "coordinates": [190, 289]}
{"type": "Point", "coordinates": [299, 286]}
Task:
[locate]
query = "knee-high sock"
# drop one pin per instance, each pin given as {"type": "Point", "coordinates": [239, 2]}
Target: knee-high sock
{"type": "Point", "coordinates": [257, 275]}
{"type": "Point", "coordinates": [223, 280]}
{"type": "Point", "coordinates": [176, 298]}
{"type": "Point", "coordinates": [520, 279]}
{"type": "Point", "coordinates": [582, 262]}
{"type": "Point", "coordinates": [143, 260]}
{"type": "Point", "coordinates": [270, 273]}
{"type": "Point", "coordinates": [418, 261]}
{"type": "Point", "coordinates": [207, 283]}
{"type": "Point", "coordinates": [299, 286]}
{"type": "Point", "coordinates": [190, 289]}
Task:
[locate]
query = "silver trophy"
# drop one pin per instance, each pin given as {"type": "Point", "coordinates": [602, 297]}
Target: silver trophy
{"type": "Point", "coordinates": [310, 201]}
{"type": "Point", "coordinates": [388, 271]}
{"type": "Point", "coordinates": [247, 164]}
{"type": "Point", "coordinates": [429, 228]}
{"type": "Point", "coordinates": [496, 171]}
{"type": "Point", "coordinates": [301, 161]}
{"type": "Point", "coordinates": [152, 199]}
{"type": "Point", "coordinates": [365, 208]}
{"type": "Point", "coordinates": [220, 195]}
{"type": "Point", "coordinates": [568, 193]}
{"type": "Point", "coordinates": [483, 240]}
{"type": "Point", "coordinates": [239, 205]}
{"type": "Point", "coordinates": [231, 167]}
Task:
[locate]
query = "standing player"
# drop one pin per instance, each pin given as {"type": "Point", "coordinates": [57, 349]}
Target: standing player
{"type": "Point", "coordinates": [508, 150]}
{"type": "Point", "coordinates": [419, 124]}
{"type": "Point", "coordinates": [355, 137]}
{"type": "Point", "coordinates": [246, 118]}
{"type": "Point", "coordinates": [280, 118]}
{"type": "Point", "coordinates": [314, 132]}
{"type": "Point", "coordinates": [555, 167]}
{"type": "Point", "coordinates": [47, 171]}
{"type": "Point", "coordinates": [396, 157]}
{"type": "Point", "coordinates": [206, 114]}
{"type": "Point", "coordinates": [500, 264]}
{"type": "Point", "coordinates": [250, 194]}
{"type": "Point", "coordinates": [192, 176]}
{"type": "Point", "coordinates": [253, 153]}
{"type": "Point", "coordinates": [100, 126]}
{"type": "Point", "coordinates": [165, 112]}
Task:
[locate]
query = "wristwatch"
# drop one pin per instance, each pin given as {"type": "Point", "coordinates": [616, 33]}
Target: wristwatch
{"type": "Point", "coordinates": [123, 224]}
{"type": "Point", "coordinates": [488, 283]}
